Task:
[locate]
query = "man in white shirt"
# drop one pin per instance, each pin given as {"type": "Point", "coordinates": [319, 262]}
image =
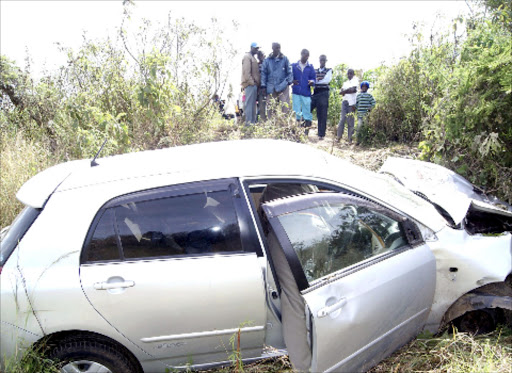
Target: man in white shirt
{"type": "Point", "coordinates": [348, 106]}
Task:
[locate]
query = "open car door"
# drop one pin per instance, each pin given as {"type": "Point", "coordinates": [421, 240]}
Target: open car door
{"type": "Point", "coordinates": [363, 274]}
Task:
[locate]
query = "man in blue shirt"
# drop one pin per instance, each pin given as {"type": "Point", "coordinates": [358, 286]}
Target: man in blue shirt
{"type": "Point", "coordinates": [304, 76]}
{"type": "Point", "coordinates": [276, 76]}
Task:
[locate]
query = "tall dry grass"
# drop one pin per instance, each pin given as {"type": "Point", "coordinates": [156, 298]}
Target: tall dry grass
{"type": "Point", "coordinates": [457, 352]}
{"type": "Point", "coordinates": [20, 159]}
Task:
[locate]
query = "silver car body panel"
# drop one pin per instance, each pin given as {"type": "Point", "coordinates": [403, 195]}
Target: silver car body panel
{"type": "Point", "coordinates": [202, 301]}
{"type": "Point", "coordinates": [400, 289]}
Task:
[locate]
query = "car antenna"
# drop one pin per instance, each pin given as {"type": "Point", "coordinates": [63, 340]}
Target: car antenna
{"type": "Point", "coordinates": [93, 162]}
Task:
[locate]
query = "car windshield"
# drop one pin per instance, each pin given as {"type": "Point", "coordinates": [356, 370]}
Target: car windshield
{"type": "Point", "coordinates": [10, 238]}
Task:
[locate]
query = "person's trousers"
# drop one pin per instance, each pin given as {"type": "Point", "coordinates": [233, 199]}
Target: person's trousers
{"type": "Point", "coordinates": [347, 115]}
{"type": "Point", "coordinates": [320, 102]}
{"type": "Point", "coordinates": [361, 122]}
{"type": "Point", "coordinates": [262, 105]}
{"type": "Point", "coordinates": [251, 93]}
{"type": "Point", "coordinates": [302, 107]}
{"type": "Point", "coordinates": [279, 98]}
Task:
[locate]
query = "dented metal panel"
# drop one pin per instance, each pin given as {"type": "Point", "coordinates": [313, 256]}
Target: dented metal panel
{"type": "Point", "coordinates": [445, 188]}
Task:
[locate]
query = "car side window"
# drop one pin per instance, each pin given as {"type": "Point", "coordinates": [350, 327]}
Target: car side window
{"type": "Point", "coordinates": [334, 235]}
{"type": "Point", "coordinates": [190, 224]}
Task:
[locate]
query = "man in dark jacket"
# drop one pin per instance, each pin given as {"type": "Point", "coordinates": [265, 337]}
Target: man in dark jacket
{"type": "Point", "coordinates": [262, 96]}
{"type": "Point", "coordinates": [276, 76]}
{"type": "Point", "coordinates": [304, 76]}
{"type": "Point", "coordinates": [320, 98]}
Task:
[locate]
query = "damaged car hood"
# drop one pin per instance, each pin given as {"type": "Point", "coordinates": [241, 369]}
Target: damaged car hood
{"type": "Point", "coordinates": [455, 198]}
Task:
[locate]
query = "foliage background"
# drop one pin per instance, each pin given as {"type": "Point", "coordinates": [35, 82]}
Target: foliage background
{"type": "Point", "coordinates": [453, 95]}
{"type": "Point", "coordinates": [150, 88]}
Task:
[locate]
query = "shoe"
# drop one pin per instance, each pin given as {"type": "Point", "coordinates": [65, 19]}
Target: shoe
{"type": "Point", "coordinates": [320, 138]}
{"type": "Point", "coordinates": [338, 139]}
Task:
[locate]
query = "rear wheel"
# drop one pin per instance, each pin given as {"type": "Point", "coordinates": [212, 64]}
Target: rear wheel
{"type": "Point", "coordinates": [91, 355]}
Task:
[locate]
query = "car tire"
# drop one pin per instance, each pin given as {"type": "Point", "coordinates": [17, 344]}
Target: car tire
{"type": "Point", "coordinates": [477, 322]}
{"type": "Point", "coordinates": [91, 355]}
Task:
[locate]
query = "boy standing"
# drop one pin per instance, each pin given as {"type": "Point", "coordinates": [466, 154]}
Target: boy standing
{"type": "Point", "coordinates": [364, 104]}
{"type": "Point", "coordinates": [304, 76]}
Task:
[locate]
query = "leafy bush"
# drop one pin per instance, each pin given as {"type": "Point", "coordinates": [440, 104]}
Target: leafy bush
{"type": "Point", "coordinates": [453, 95]}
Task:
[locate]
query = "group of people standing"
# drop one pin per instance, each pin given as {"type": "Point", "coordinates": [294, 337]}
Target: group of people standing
{"type": "Point", "coordinates": [270, 77]}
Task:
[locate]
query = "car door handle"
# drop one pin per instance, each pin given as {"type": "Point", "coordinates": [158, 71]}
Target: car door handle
{"type": "Point", "coordinates": [330, 309]}
{"type": "Point", "coordinates": [113, 285]}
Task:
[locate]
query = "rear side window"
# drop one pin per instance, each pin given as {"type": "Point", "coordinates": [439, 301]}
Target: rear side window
{"type": "Point", "coordinates": [9, 239]}
{"type": "Point", "coordinates": [201, 223]}
{"type": "Point", "coordinates": [103, 245]}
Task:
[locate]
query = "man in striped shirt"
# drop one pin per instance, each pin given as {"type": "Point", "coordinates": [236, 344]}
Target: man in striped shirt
{"type": "Point", "coordinates": [364, 104]}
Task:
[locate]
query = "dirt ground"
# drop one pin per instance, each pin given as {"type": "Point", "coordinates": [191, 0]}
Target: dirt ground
{"type": "Point", "coordinates": [368, 157]}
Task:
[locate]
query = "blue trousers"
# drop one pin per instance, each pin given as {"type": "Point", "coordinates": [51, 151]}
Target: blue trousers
{"type": "Point", "coordinates": [302, 107]}
{"type": "Point", "coordinates": [251, 93]}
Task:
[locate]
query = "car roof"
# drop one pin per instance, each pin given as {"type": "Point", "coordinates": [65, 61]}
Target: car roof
{"type": "Point", "coordinates": [225, 159]}
{"type": "Point", "coordinates": [222, 159]}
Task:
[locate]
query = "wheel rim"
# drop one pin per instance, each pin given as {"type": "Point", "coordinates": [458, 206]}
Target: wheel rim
{"type": "Point", "coordinates": [84, 366]}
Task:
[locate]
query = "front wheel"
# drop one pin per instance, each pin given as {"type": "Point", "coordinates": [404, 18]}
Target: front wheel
{"type": "Point", "coordinates": [477, 322]}
{"type": "Point", "coordinates": [90, 355]}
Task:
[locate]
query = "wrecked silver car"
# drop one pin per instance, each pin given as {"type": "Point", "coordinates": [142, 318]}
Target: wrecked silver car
{"type": "Point", "coordinates": [151, 261]}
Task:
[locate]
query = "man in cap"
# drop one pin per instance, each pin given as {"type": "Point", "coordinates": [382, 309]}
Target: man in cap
{"type": "Point", "coordinates": [250, 83]}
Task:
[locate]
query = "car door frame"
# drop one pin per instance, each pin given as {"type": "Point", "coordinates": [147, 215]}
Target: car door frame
{"type": "Point", "coordinates": [413, 235]}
